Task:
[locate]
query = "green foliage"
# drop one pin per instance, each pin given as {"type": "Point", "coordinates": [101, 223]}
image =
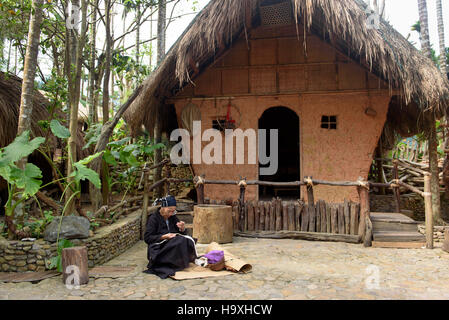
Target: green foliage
{"type": "Point", "coordinates": [28, 180]}
{"type": "Point", "coordinates": [59, 130]}
{"type": "Point", "coordinates": [82, 172]}
{"type": "Point", "coordinates": [56, 262]}
{"type": "Point", "coordinates": [37, 226]}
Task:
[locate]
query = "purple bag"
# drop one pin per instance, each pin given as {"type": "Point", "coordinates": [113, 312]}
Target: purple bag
{"type": "Point", "coordinates": [214, 256]}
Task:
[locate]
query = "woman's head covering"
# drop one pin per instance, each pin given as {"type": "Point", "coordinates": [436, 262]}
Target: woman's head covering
{"type": "Point", "coordinates": [168, 201]}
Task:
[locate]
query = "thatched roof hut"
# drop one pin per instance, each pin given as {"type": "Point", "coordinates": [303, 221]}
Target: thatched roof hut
{"type": "Point", "coordinates": [341, 23]}
{"type": "Point", "coordinates": [10, 93]}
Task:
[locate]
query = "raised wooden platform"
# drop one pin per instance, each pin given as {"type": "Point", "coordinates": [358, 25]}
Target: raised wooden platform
{"type": "Point", "coordinates": [396, 230]}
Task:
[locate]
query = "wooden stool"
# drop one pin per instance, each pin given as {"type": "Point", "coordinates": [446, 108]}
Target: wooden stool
{"type": "Point", "coordinates": [74, 266]}
{"type": "Point", "coordinates": [213, 223]}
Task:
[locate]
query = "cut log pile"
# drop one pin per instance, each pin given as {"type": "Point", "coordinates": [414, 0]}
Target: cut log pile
{"type": "Point", "coordinates": [278, 215]}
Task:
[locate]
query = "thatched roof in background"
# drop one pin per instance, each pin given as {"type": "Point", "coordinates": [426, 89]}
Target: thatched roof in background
{"type": "Point", "coordinates": [340, 22]}
{"type": "Point", "coordinates": [10, 93]}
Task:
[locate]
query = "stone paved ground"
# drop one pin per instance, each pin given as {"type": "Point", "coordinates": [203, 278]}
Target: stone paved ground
{"type": "Point", "coordinates": [282, 269]}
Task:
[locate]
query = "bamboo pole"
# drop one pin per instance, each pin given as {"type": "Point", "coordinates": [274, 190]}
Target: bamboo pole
{"type": "Point", "coordinates": [429, 211]}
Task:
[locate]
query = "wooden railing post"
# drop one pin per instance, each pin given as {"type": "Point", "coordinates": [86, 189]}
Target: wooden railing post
{"type": "Point", "coordinates": [199, 185]}
{"type": "Point", "coordinates": [146, 192]}
{"type": "Point", "coordinates": [396, 190]}
{"type": "Point", "coordinates": [310, 197]}
{"type": "Point", "coordinates": [365, 226]}
{"type": "Point", "coordinates": [429, 212]}
{"type": "Point", "coordinates": [242, 184]}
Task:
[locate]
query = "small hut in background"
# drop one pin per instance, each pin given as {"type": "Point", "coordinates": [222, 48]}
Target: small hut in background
{"type": "Point", "coordinates": [312, 69]}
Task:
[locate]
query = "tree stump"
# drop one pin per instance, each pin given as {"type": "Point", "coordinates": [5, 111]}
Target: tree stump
{"type": "Point", "coordinates": [74, 266]}
{"type": "Point", "coordinates": [446, 241]}
{"type": "Point", "coordinates": [213, 223]}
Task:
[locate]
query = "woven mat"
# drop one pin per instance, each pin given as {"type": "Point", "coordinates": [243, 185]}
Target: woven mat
{"type": "Point", "coordinates": [197, 272]}
{"type": "Point", "coordinates": [16, 277]}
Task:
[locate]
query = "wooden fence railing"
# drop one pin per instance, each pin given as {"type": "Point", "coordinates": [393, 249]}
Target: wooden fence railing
{"type": "Point", "coordinates": [344, 222]}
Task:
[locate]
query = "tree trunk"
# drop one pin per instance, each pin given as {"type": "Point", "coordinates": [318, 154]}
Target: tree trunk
{"type": "Point", "coordinates": [107, 76]}
{"type": "Point", "coordinates": [161, 26]}
{"type": "Point", "coordinates": [29, 70]}
{"type": "Point", "coordinates": [433, 142]}
{"type": "Point", "coordinates": [92, 71]}
{"type": "Point", "coordinates": [29, 73]}
{"type": "Point", "coordinates": [75, 78]}
{"type": "Point", "coordinates": [162, 15]}
{"type": "Point", "coordinates": [443, 66]}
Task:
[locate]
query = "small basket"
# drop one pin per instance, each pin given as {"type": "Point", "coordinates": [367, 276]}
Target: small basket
{"type": "Point", "coordinates": [217, 266]}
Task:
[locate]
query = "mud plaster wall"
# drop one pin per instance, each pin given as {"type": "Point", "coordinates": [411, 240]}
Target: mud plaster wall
{"type": "Point", "coordinates": [275, 72]}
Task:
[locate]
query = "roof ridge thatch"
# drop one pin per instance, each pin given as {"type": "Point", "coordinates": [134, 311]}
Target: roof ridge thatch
{"type": "Point", "coordinates": [386, 52]}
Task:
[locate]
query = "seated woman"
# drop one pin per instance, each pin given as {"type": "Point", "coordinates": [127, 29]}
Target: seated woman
{"type": "Point", "coordinates": [169, 249]}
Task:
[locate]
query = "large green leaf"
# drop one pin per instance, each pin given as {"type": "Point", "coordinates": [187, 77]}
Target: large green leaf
{"type": "Point", "coordinates": [109, 158]}
{"type": "Point", "coordinates": [59, 130]}
{"type": "Point", "coordinates": [28, 179]}
{"type": "Point", "coordinates": [84, 173]}
{"type": "Point", "coordinates": [21, 147]}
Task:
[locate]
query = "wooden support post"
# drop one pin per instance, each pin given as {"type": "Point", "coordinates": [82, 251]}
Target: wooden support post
{"type": "Point", "coordinates": [291, 217]}
{"type": "Point", "coordinates": [199, 185]}
{"type": "Point", "coordinates": [256, 217]}
{"type": "Point", "coordinates": [323, 216]}
{"type": "Point", "coordinates": [267, 206]}
{"type": "Point", "coordinates": [429, 211]}
{"type": "Point", "coordinates": [273, 215]}
{"type": "Point", "coordinates": [285, 216]}
{"type": "Point", "coordinates": [328, 218]}
{"type": "Point", "coordinates": [250, 216]}
{"type": "Point", "coordinates": [242, 205]}
{"type": "Point", "coordinates": [341, 219]}
{"type": "Point", "coordinates": [145, 205]}
{"type": "Point", "coordinates": [236, 215]}
{"type": "Point", "coordinates": [299, 206]}
{"type": "Point", "coordinates": [278, 214]}
{"type": "Point", "coordinates": [354, 218]}
{"type": "Point", "coordinates": [347, 215]}
{"type": "Point", "coordinates": [397, 193]}
{"type": "Point", "coordinates": [334, 219]}
{"type": "Point", "coordinates": [312, 219]}
{"type": "Point", "coordinates": [261, 216]}
{"type": "Point", "coordinates": [318, 216]}
{"type": "Point", "coordinates": [364, 212]}
{"type": "Point", "coordinates": [305, 218]}
{"type": "Point", "coordinates": [75, 266]}
{"type": "Point", "coordinates": [310, 197]}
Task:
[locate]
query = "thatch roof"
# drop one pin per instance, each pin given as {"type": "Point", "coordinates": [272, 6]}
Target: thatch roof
{"type": "Point", "coordinates": [340, 22]}
{"type": "Point", "coordinates": [10, 93]}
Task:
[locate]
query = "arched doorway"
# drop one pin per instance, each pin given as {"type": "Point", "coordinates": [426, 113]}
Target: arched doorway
{"type": "Point", "coordinates": [286, 121]}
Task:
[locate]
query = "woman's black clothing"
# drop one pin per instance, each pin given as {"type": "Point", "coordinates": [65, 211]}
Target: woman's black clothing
{"type": "Point", "coordinates": [166, 257]}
